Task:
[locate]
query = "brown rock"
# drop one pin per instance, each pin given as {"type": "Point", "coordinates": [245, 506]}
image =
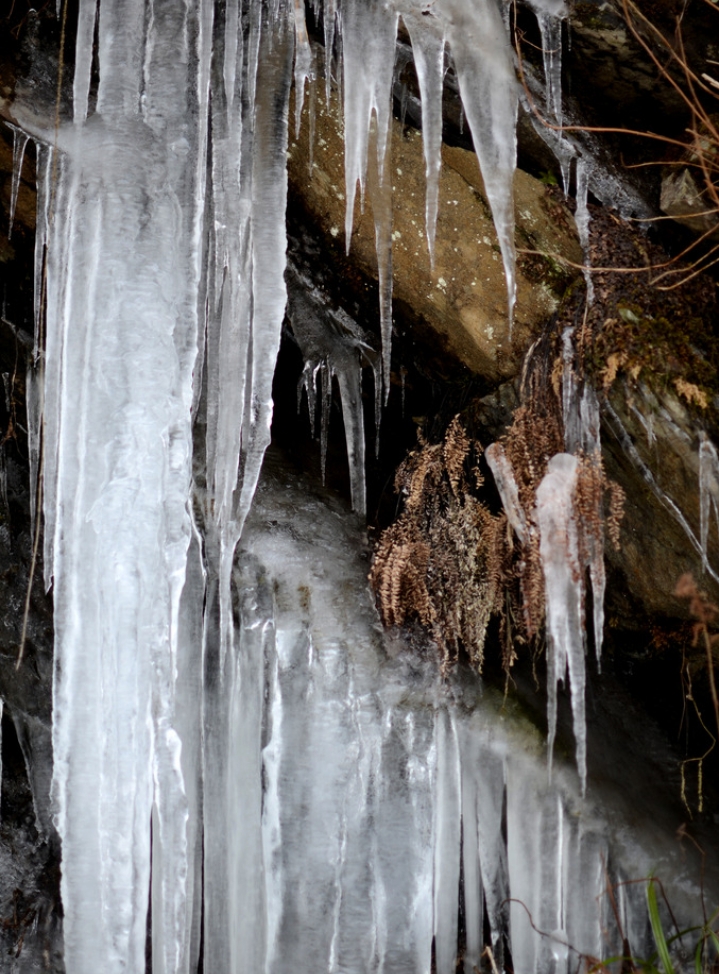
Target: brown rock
{"type": "Point", "coordinates": [463, 298]}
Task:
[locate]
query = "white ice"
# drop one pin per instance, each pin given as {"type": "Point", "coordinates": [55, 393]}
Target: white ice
{"type": "Point", "coordinates": [558, 548]}
{"type": "Point", "coordinates": [708, 492]}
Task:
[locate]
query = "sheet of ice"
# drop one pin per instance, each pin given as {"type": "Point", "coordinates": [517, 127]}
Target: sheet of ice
{"type": "Point", "coordinates": [558, 548]}
{"type": "Point", "coordinates": [347, 770]}
{"type": "Point", "coordinates": [378, 779]}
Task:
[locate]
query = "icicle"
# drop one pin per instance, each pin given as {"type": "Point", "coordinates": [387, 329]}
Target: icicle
{"type": "Point", "coordinates": [329, 13]}
{"type": "Point", "coordinates": [232, 51]}
{"type": "Point", "coordinates": [501, 468]}
{"type": "Point", "coordinates": [550, 16]}
{"type": "Point", "coordinates": [558, 548]}
{"type": "Point", "coordinates": [570, 398]}
{"type": "Point", "coordinates": [381, 196]}
{"type": "Point", "coordinates": [84, 42]}
{"type": "Point", "coordinates": [369, 30]}
{"type": "Point", "coordinates": [648, 477]}
{"type": "Point", "coordinates": [428, 47]}
{"type": "Point", "coordinates": [43, 201]}
{"type": "Point", "coordinates": [447, 840]}
{"type": "Point", "coordinates": [488, 86]}
{"type": "Point", "coordinates": [333, 345]}
{"type": "Point", "coordinates": [708, 491]}
{"type": "Point", "coordinates": [594, 534]}
{"type": "Point", "coordinates": [303, 63]}
{"type": "Point", "coordinates": [19, 144]}
{"type": "Point", "coordinates": [581, 217]}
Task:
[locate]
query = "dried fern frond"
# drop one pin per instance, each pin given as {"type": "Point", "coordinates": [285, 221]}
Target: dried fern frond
{"type": "Point", "coordinates": [444, 561]}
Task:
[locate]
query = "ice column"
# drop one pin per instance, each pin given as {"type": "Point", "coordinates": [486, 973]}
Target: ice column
{"type": "Point", "coordinates": [122, 221]}
{"type": "Point", "coordinates": [246, 296]}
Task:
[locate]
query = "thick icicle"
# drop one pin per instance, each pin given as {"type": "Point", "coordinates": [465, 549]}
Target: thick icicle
{"type": "Point", "coordinates": [369, 31]}
{"type": "Point", "coordinates": [488, 86]}
{"type": "Point", "coordinates": [86, 17]}
{"type": "Point", "coordinates": [580, 413]}
{"type": "Point", "coordinates": [118, 391]}
{"type": "Point", "coordinates": [558, 548]}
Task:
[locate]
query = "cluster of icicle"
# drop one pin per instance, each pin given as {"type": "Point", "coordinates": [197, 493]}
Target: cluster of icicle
{"type": "Point", "coordinates": [555, 524]}
{"type": "Point", "coordinates": [384, 799]}
{"type": "Point", "coordinates": [159, 299]}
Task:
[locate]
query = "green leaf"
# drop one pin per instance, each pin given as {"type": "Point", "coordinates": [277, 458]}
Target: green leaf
{"type": "Point", "coordinates": [659, 939]}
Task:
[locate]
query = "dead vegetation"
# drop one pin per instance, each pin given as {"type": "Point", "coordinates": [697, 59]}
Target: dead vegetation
{"type": "Point", "coordinates": [451, 563]}
{"type": "Point", "coordinates": [445, 560]}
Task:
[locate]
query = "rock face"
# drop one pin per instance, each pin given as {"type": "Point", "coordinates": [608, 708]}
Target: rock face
{"type": "Point", "coordinates": [463, 298]}
{"type": "Point", "coordinates": [651, 447]}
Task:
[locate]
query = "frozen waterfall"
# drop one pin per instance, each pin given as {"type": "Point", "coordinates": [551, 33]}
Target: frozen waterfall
{"type": "Point", "coordinates": [233, 743]}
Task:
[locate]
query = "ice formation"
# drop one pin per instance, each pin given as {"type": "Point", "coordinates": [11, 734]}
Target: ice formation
{"type": "Point", "coordinates": [159, 299]}
{"type": "Point", "coordinates": [373, 795]}
{"type": "Point", "coordinates": [559, 551]}
{"type": "Point", "coordinates": [708, 491]}
{"type": "Point", "coordinates": [570, 542]}
{"type": "Point", "coordinates": [334, 347]}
